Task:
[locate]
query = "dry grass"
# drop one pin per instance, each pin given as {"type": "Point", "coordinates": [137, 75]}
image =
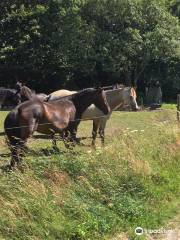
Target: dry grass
{"type": "Point", "coordinates": [93, 194]}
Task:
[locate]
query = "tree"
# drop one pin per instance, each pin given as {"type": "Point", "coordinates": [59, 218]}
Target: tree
{"type": "Point", "coordinates": [81, 43]}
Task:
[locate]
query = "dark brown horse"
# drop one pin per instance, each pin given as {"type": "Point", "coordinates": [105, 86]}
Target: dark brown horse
{"type": "Point", "coordinates": [49, 117]}
{"type": "Point", "coordinates": [9, 97]}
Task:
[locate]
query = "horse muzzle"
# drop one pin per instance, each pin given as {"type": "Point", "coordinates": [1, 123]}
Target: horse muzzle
{"type": "Point", "coordinates": [107, 111]}
{"type": "Point", "coordinates": [136, 109]}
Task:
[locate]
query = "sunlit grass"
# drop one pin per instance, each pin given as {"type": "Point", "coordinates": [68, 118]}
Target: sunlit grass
{"type": "Point", "coordinates": [172, 106]}
{"type": "Point", "coordinates": [93, 194]}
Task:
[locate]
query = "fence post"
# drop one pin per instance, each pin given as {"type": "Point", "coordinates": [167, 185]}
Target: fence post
{"type": "Point", "coordinates": [178, 107]}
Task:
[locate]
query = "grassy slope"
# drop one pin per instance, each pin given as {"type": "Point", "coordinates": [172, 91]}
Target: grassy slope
{"type": "Point", "coordinates": [87, 194]}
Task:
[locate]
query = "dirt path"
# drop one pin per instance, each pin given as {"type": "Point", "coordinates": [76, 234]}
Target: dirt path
{"type": "Point", "coordinates": [169, 232]}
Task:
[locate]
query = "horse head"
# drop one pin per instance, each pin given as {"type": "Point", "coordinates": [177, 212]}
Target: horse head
{"type": "Point", "coordinates": [129, 98]}
{"type": "Point", "coordinates": [101, 101]}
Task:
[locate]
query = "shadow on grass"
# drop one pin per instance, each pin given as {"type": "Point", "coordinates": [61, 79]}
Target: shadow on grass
{"type": "Point", "coordinates": [41, 136]}
{"type": "Point", "coordinates": [5, 168]}
{"type": "Point", "coordinates": [44, 152]}
{"type": "Point", "coordinates": [79, 142]}
{"type": "Point", "coordinates": [5, 155]}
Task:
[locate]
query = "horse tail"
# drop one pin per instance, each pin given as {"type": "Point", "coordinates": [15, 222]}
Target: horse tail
{"type": "Point", "coordinates": [11, 127]}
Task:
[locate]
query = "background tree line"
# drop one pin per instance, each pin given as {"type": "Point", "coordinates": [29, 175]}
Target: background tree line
{"type": "Point", "coordinates": [50, 44]}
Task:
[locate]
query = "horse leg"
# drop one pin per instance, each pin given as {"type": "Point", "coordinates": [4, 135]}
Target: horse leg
{"type": "Point", "coordinates": [94, 132]}
{"type": "Point", "coordinates": [54, 142]}
{"type": "Point", "coordinates": [73, 131]}
{"type": "Point", "coordinates": [15, 159]}
{"type": "Point", "coordinates": [63, 136]}
{"type": "Point", "coordinates": [66, 139]}
{"type": "Point", "coordinates": [19, 148]}
{"type": "Point", "coordinates": [102, 132]}
{"type": "Point", "coordinates": [16, 147]}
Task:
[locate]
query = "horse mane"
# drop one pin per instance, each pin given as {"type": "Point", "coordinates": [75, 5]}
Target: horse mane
{"type": "Point", "coordinates": [26, 92]}
{"type": "Point", "coordinates": [71, 96]}
{"type": "Point", "coordinates": [82, 92]}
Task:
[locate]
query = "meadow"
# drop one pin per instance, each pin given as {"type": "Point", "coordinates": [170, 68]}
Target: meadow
{"type": "Point", "coordinates": [88, 193]}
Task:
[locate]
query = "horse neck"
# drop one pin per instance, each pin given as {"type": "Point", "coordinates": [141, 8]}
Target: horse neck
{"type": "Point", "coordinates": [26, 92]}
{"type": "Point", "coordinates": [82, 101]}
{"type": "Point", "coordinates": [115, 98]}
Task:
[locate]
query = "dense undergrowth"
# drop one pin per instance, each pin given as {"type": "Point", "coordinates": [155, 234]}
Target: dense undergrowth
{"type": "Point", "coordinates": [93, 194]}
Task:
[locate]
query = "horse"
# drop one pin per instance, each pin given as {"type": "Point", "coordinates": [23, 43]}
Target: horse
{"type": "Point", "coordinates": [13, 97]}
{"type": "Point", "coordinates": [61, 93]}
{"type": "Point", "coordinates": [120, 97]}
{"type": "Point", "coordinates": [9, 97]}
{"type": "Point", "coordinates": [51, 117]}
{"type": "Point", "coordinates": [28, 94]}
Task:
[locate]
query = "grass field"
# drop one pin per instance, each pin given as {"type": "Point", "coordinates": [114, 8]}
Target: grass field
{"type": "Point", "coordinates": [95, 194]}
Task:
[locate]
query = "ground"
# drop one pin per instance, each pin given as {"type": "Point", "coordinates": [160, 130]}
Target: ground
{"type": "Point", "coordinates": [102, 193]}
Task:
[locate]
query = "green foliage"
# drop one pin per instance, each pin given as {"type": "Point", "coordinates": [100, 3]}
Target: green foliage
{"type": "Point", "coordinates": [81, 43]}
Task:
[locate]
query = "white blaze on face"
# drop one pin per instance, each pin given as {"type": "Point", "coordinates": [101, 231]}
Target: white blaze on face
{"type": "Point", "coordinates": [133, 98]}
{"type": "Point", "coordinates": [129, 98]}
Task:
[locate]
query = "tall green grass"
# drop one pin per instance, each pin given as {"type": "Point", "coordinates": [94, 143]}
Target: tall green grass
{"type": "Point", "coordinates": [94, 194]}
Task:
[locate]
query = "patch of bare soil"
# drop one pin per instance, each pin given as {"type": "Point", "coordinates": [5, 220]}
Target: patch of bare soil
{"type": "Point", "coordinates": [56, 177]}
{"type": "Point", "coordinates": [121, 236]}
{"type": "Point", "coordinates": [169, 232]}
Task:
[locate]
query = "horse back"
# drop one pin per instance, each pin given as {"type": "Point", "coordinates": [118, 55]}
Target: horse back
{"type": "Point", "coordinates": [62, 93]}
